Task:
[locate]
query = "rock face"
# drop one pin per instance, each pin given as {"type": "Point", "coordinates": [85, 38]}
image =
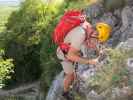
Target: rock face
{"type": "Point", "coordinates": [112, 5]}
{"type": "Point", "coordinates": [25, 92]}
{"type": "Point", "coordinates": [126, 45]}
{"type": "Point", "coordinates": [56, 89]}
{"type": "Point", "coordinates": [125, 26]}
{"type": "Point", "coordinates": [121, 21]}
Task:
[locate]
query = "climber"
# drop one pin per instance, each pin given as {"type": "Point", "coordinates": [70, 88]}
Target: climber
{"type": "Point", "coordinates": [70, 34]}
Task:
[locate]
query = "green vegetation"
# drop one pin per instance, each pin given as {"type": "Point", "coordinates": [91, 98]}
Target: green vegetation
{"type": "Point", "coordinates": [28, 29]}
{"type": "Point", "coordinates": [113, 74]}
{"type": "Point", "coordinates": [6, 68]}
{"type": "Point", "coordinates": [5, 12]}
{"type": "Point", "coordinates": [6, 64]}
{"type": "Point", "coordinates": [26, 38]}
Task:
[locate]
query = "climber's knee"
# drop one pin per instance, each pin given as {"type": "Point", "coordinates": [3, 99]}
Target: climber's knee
{"type": "Point", "coordinates": [68, 79]}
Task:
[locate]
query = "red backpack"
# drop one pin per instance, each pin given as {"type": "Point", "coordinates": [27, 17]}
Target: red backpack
{"type": "Point", "coordinates": [67, 22]}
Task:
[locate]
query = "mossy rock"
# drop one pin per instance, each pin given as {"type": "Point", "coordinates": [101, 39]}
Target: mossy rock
{"type": "Point", "coordinates": [111, 5]}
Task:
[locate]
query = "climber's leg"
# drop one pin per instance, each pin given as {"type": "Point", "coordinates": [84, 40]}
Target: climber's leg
{"type": "Point", "coordinates": [69, 74]}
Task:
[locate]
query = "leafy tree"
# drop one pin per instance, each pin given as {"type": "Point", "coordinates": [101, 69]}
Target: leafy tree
{"type": "Point", "coordinates": [23, 32]}
{"type": "Point", "coordinates": [6, 68]}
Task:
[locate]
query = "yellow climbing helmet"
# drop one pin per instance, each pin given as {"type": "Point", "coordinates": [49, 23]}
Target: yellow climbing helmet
{"type": "Point", "coordinates": [104, 31]}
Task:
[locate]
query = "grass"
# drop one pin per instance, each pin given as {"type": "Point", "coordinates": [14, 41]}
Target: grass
{"type": "Point", "coordinates": [5, 12]}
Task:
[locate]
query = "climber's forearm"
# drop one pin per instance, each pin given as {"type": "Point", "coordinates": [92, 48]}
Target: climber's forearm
{"type": "Point", "coordinates": [73, 55]}
{"type": "Point", "coordinates": [81, 60]}
{"type": "Point", "coordinates": [76, 58]}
